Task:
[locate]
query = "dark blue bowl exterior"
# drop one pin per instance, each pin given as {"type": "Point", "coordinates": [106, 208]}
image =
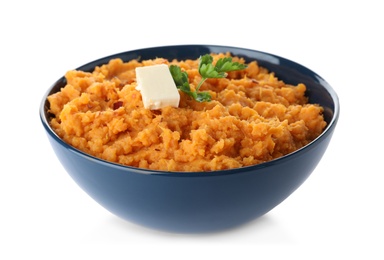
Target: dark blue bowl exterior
{"type": "Point", "coordinates": [199, 202]}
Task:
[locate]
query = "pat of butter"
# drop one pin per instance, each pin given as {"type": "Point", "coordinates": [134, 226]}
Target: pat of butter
{"type": "Point", "coordinates": [157, 87]}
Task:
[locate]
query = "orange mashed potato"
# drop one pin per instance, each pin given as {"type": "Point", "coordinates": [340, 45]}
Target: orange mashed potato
{"type": "Point", "coordinates": [253, 118]}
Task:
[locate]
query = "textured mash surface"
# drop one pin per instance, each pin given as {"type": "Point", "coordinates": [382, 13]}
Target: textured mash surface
{"type": "Point", "coordinates": [253, 117]}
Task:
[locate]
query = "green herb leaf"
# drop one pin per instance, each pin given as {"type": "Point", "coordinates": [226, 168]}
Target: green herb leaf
{"type": "Point", "coordinates": [226, 65]}
{"type": "Point", "coordinates": [207, 70]}
{"type": "Point", "coordinates": [203, 97]}
{"type": "Point", "coordinates": [180, 78]}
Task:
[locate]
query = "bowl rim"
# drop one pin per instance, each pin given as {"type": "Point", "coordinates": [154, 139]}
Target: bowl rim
{"type": "Point", "coordinates": [135, 170]}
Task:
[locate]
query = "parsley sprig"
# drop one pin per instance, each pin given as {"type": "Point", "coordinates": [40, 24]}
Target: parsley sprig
{"type": "Point", "coordinates": [207, 70]}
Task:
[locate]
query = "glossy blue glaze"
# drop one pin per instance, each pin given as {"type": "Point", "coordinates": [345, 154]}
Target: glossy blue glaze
{"type": "Point", "coordinates": [207, 201]}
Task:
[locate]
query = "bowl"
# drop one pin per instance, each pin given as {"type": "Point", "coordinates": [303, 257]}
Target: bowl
{"type": "Point", "coordinates": [197, 202]}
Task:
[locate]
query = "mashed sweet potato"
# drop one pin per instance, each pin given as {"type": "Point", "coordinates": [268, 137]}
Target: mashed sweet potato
{"type": "Point", "coordinates": [253, 118]}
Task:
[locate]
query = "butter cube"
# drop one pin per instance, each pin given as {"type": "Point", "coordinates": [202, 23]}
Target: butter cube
{"type": "Point", "coordinates": [157, 87]}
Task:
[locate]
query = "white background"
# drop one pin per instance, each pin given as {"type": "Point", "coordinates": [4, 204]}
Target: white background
{"type": "Point", "coordinates": [335, 214]}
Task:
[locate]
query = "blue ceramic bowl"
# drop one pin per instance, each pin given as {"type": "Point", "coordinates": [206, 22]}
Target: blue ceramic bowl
{"type": "Point", "coordinates": [198, 201]}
